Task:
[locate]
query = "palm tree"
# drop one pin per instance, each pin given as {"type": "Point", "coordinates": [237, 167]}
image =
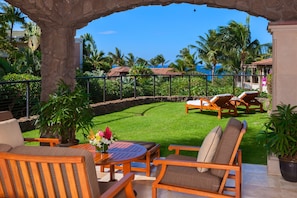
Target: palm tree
{"type": "Point", "coordinates": [209, 51]}
{"type": "Point", "coordinates": [266, 51]}
{"type": "Point", "coordinates": [186, 61]}
{"type": "Point", "coordinates": [32, 35]}
{"type": "Point", "coordinates": [179, 66]}
{"type": "Point", "coordinates": [153, 62]}
{"type": "Point", "coordinates": [140, 70]}
{"type": "Point", "coordinates": [130, 60]}
{"type": "Point", "coordinates": [117, 57]}
{"type": "Point", "coordinates": [161, 60]}
{"type": "Point", "coordinates": [11, 15]}
{"type": "Point", "coordinates": [236, 42]}
{"type": "Point", "coordinates": [99, 61]}
{"type": "Point", "coordinates": [157, 60]}
{"type": "Point", "coordinates": [141, 61]}
{"type": "Point", "coordinates": [89, 44]}
{"type": "Point", "coordinates": [32, 56]}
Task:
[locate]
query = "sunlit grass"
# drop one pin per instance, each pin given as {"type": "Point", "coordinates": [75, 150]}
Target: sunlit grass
{"type": "Point", "coordinates": [167, 123]}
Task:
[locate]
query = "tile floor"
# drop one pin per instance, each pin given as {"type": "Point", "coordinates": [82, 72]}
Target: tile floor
{"type": "Point", "coordinates": [256, 184]}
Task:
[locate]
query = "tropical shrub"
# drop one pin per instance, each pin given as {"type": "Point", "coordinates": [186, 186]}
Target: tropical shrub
{"type": "Point", "coordinates": [13, 95]}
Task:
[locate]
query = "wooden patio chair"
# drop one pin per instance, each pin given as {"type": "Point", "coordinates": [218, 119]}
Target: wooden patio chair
{"type": "Point", "coordinates": [248, 99]}
{"type": "Point", "coordinates": [219, 159]}
{"type": "Point", "coordinates": [10, 132]}
{"type": "Point", "coordinates": [218, 103]}
{"type": "Point", "coordinates": [56, 172]}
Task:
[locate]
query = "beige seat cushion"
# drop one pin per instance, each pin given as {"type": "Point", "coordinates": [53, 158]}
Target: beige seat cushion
{"type": "Point", "coordinates": [209, 146]}
{"type": "Point", "coordinates": [5, 147]}
{"type": "Point", "coordinates": [188, 177]}
{"type": "Point", "coordinates": [10, 133]}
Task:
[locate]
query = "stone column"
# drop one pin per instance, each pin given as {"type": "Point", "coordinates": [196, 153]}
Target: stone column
{"type": "Point", "coordinates": [284, 66]}
{"type": "Point", "coordinates": [57, 46]}
{"type": "Point", "coordinates": [284, 73]}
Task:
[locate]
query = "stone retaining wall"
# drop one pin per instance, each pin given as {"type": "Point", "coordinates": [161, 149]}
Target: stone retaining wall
{"type": "Point", "coordinates": [103, 108]}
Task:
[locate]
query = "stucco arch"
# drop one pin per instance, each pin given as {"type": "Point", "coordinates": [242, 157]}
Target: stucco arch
{"type": "Point", "coordinates": [59, 20]}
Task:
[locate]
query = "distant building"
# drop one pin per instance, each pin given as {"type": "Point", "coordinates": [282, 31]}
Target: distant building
{"type": "Point", "coordinates": [256, 80]}
{"type": "Point", "coordinates": [118, 71]}
{"type": "Point", "coordinates": [165, 72]}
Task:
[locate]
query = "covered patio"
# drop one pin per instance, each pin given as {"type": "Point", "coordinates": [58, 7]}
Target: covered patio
{"type": "Point", "coordinates": [256, 183]}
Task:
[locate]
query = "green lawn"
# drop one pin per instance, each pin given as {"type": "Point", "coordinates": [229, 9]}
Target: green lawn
{"type": "Point", "coordinates": [167, 123]}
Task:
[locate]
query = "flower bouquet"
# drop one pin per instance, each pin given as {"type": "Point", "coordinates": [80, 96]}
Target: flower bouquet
{"type": "Point", "coordinates": [102, 139]}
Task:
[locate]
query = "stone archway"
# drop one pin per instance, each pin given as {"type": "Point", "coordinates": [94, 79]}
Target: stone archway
{"type": "Point", "coordinates": [59, 20]}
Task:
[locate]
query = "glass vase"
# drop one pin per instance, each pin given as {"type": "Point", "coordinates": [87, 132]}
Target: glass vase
{"type": "Point", "coordinates": [103, 148]}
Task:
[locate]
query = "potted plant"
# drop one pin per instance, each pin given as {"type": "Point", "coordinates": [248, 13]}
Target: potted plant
{"type": "Point", "coordinates": [280, 138]}
{"type": "Point", "coordinates": [65, 113]}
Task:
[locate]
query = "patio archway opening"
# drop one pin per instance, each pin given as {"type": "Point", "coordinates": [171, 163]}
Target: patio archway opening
{"type": "Point", "coordinates": [60, 19]}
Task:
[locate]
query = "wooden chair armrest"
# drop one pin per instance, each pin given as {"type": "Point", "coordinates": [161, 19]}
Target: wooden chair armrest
{"type": "Point", "coordinates": [166, 162]}
{"type": "Point", "coordinates": [124, 183]}
{"type": "Point", "coordinates": [179, 148]}
{"type": "Point", "coordinates": [51, 141]}
{"type": "Point", "coordinates": [154, 149]}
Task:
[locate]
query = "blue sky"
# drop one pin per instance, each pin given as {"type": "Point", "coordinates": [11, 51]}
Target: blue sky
{"type": "Point", "coordinates": [151, 30]}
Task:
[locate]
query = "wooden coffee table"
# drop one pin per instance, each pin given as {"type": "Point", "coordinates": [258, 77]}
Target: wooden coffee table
{"type": "Point", "coordinates": [118, 153]}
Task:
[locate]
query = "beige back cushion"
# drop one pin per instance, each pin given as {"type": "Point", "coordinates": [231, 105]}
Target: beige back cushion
{"type": "Point", "coordinates": [5, 115]}
{"type": "Point", "coordinates": [209, 146]}
{"type": "Point", "coordinates": [226, 145]}
{"type": "Point", "coordinates": [10, 133]}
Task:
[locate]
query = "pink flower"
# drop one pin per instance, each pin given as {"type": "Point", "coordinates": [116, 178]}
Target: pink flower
{"type": "Point", "coordinates": [101, 133]}
{"type": "Point", "coordinates": [107, 133]}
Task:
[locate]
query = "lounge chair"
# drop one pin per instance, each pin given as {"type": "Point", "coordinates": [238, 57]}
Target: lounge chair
{"type": "Point", "coordinates": [218, 103]}
{"type": "Point", "coordinates": [219, 159]}
{"type": "Point", "coordinates": [9, 126]}
{"type": "Point", "coordinates": [248, 99]}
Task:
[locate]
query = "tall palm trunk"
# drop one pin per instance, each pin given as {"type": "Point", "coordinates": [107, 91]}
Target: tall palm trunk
{"type": "Point", "coordinates": [213, 69]}
{"type": "Point", "coordinates": [242, 77]}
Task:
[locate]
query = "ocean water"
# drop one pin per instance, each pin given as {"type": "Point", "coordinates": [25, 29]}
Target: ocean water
{"type": "Point", "coordinates": [199, 68]}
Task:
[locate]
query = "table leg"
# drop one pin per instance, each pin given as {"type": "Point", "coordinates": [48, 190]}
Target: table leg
{"type": "Point", "coordinates": [112, 172]}
{"type": "Point", "coordinates": [126, 168]}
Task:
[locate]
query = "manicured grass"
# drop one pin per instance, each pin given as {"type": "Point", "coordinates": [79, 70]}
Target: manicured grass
{"type": "Point", "coordinates": [167, 123]}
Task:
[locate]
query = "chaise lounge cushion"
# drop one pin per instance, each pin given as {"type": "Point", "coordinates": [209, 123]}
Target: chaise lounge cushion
{"type": "Point", "coordinates": [62, 151]}
{"type": "Point", "coordinates": [247, 93]}
{"type": "Point", "coordinates": [209, 146]}
{"type": "Point", "coordinates": [189, 177]}
{"type": "Point", "coordinates": [218, 96]}
{"type": "Point", "coordinates": [10, 133]}
{"type": "Point", "coordinates": [226, 145]}
{"type": "Point", "coordinates": [197, 103]}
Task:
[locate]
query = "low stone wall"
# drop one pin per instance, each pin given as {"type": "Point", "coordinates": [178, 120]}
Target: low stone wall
{"type": "Point", "coordinates": [107, 107]}
{"type": "Point", "coordinates": [103, 108]}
